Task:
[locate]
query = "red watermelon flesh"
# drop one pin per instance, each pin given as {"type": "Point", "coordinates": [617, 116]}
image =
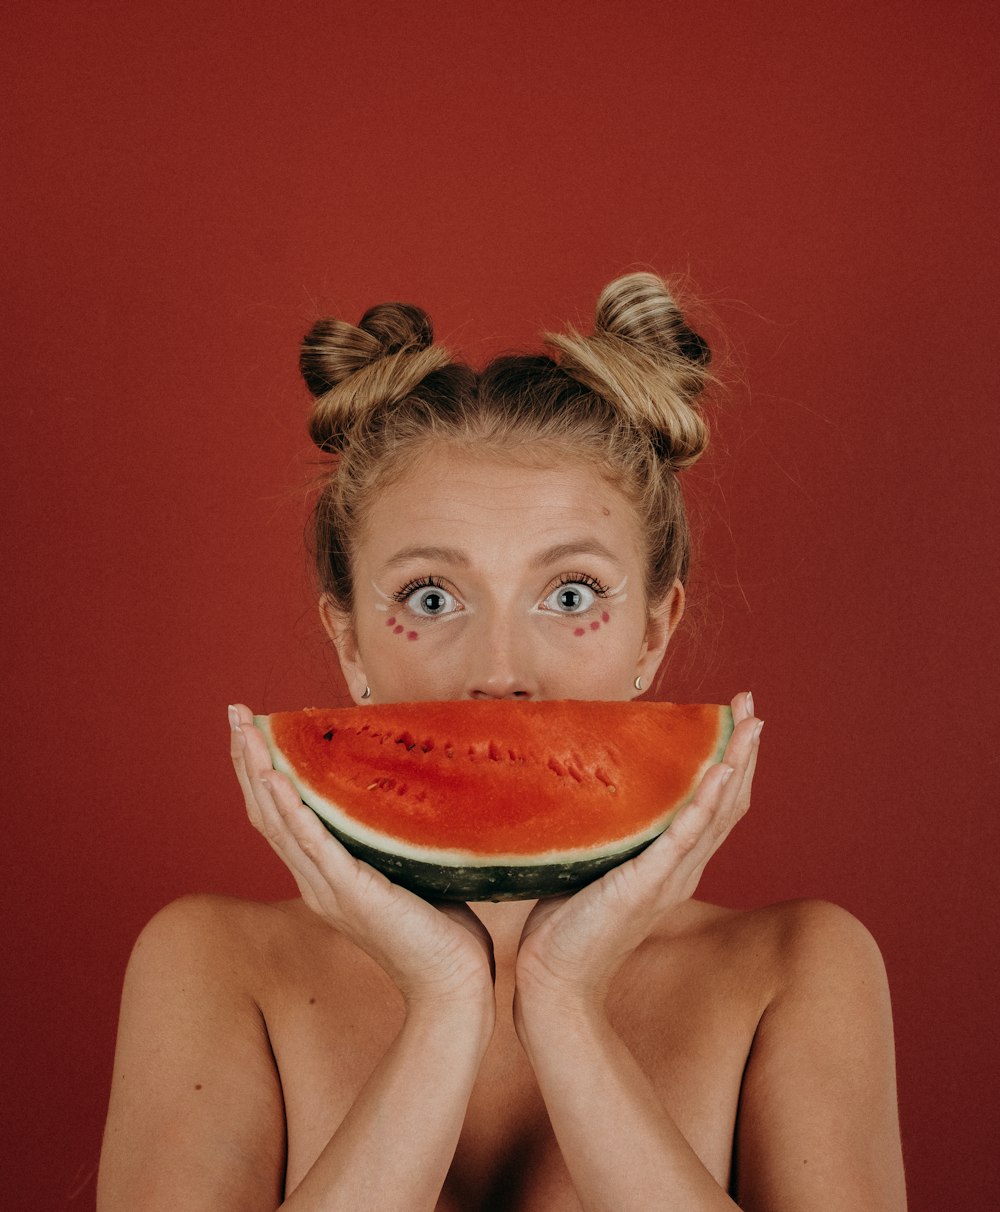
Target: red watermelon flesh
{"type": "Point", "coordinates": [497, 799]}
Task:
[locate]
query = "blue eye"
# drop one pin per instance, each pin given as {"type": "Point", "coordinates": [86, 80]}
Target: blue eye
{"type": "Point", "coordinates": [430, 601]}
{"type": "Point", "coordinates": [570, 598]}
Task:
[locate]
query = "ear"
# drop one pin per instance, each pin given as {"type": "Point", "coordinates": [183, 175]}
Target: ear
{"type": "Point", "coordinates": [340, 629]}
{"type": "Point", "coordinates": [664, 618]}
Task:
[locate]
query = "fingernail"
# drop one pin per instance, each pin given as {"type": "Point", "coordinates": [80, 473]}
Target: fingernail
{"type": "Point", "coordinates": [234, 718]}
{"type": "Point", "coordinates": [727, 774]}
{"type": "Point", "coordinates": [749, 702]}
{"type": "Point", "coordinates": [758, 730]}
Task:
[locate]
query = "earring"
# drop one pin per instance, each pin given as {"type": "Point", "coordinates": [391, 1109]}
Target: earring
{"type": "Point", "coordinates": [367, 692]}
{"type": "Point", "coordinates": [638, 684]}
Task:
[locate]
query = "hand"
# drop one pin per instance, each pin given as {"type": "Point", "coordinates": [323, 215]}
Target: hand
{"type": "Point", "coordinates": [431, 953]}
{"type": "Point", "coordinates": [572, 946]}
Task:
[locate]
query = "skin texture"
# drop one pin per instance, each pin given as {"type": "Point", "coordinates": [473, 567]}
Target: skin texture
{"type": "Point", "coordinates": [624, 1047]}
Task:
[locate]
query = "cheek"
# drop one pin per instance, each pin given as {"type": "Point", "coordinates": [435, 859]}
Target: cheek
{"type": "Point", "coordinates": [593, 626]}
{"type": "Point", "coordinates": [398, 629]}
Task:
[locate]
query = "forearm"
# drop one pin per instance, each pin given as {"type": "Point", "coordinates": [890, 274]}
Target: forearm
{"type": "Point", "coordinates": [621, 1147]}
{"type": "Point", "coordinates": [394, 1147]}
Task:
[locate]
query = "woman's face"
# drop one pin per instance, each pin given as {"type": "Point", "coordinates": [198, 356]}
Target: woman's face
{"type": "Point", "coordinates": [480, 578]}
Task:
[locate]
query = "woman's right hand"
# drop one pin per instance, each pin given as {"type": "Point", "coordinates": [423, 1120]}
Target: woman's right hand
{"type": "Point", "coordinates": [431, 953]}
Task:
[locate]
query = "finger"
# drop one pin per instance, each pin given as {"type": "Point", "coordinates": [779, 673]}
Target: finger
{"type": "Point", "coordinates": [279, 807]}
{"type": "Point", "coordinates": [741, 754]}
{"type": "Point", "coordinates": [241, 723]}
{"type": "Point", "coordinates": [742, 706]}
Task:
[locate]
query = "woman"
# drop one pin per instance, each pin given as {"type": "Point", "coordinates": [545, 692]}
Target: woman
{"type": "Point", "coordinates": [626, 1047]}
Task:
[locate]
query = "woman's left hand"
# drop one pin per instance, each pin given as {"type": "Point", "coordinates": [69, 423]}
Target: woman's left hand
{"type": "Point", "coordinates": [572, 946]}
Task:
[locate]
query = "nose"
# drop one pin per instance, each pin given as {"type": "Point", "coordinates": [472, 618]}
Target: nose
{"type": "Point", "coordinates": [500, 664]}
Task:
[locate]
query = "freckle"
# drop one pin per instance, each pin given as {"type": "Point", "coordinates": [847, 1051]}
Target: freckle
{"type": "Point", "coordinates": [197, 1085]}
{"type": "Point", "coordinates": [398, 629]}
{"type": "Point", "coordinates": [594, 625]}
{"type": "Point", "coordinates": [605, 617]}
{"type": "Point", "coordinates": [579, 631]}
{"type": "Point", "coordinates": [607, 512]}
{"type": "Point", "coordinates": [312, 1001]}
{"type": "Point", "coordinates": [391, 622]}
{"type": "Point", "coordinates": [411, 635]}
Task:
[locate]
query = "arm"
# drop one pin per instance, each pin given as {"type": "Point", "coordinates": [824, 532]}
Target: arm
{"type": "Point", "coordinates": [623, 1150]}
{"type": "Point", "coordinates": [818, 1125]}
{"type": "Point", "coordinates": [620, 1144]}
{"type": "Point", "coordinates": [197, 1118]}
{"type": "Point", "coordinates": [175, 1139]}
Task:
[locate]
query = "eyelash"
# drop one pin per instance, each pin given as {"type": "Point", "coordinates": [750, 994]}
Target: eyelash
{"type": "Point", "coordinates": [570, 578]}
{"type": "Point", "coordinates": [401, 595]}
{"type": "Point", "coordinates": [582, 578]}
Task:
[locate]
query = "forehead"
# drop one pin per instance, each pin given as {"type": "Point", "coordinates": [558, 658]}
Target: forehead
{"type": "Point", "coordinates": [451, 497]}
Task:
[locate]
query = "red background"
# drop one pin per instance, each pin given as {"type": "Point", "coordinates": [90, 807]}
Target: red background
{"type": "Point", "coordinates": [192, 183]}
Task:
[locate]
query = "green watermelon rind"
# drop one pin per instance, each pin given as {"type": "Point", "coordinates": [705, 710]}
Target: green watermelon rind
{"type": "Point", "coordinates": [464, 876]}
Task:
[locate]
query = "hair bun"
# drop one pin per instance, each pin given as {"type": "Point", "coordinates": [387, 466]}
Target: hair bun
{"type": "Point", "coordinates": [641, 309]}
{"type": "Point", "coordinates": [351, 370]}
{"type": "Point", "coordinates": [332, 350]}
{"type": "Point", "coordinates": [647, 362]}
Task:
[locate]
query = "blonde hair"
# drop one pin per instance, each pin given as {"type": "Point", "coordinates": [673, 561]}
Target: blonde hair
{"type": "Point", "coordinates": [624, 399]}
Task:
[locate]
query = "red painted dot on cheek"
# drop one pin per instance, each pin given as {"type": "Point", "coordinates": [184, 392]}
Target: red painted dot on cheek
{"type": "Point", "coordinates": [411, 635]}
{"type": "Point", "coordinates": [594, 625]}
{"type": "Point", "coordinates": [605, 617]}
{"type": "Point", "coordinates": [398, 629]}
{"type": "Point", "coordinates": [391, 622]}
{"type": "Point", "coordinates": [579, 631]}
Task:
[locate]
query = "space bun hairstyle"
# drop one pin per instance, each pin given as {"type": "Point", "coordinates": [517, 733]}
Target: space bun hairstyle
{"type": "Point", "coordinates": [626, 399]}
{"type": "Point", "coordinates": [356, 371]}
{"type": "Point", "coordinates": [647, 362]}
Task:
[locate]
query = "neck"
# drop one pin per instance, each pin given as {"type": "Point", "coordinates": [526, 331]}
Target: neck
{"type": "Point", "coordinates": [505, 921]}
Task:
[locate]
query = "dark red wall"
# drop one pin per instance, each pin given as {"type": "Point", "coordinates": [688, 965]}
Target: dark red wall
{"type": "Point", "coordinates": [191, 182]}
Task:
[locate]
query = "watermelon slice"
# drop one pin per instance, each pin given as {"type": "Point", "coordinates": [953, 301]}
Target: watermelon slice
{"type": "Point", "coordinates": [497, 800]}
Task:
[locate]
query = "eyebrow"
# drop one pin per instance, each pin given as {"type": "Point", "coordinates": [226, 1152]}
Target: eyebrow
{"type": "Point", "coordinates": [438, 555]}
{"type": "Point", "coordinates": [565, 551]}
{"type": "Point", "coordinates": [453, 555]}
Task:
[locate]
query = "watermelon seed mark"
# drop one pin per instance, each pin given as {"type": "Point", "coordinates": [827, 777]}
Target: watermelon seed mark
{"type": "Point", "coordinates": [557, 767]}
{"type": "Point", "coordinates": [602, 776]}
{"type": "Point", "coordinates": [372, 786]}
{"type": "Point", "coordinates": [575, 773]}
{"type": "Point", "coordinates": [406, 738]}
{"type": "Point", "coordinates": [328, 736]}
{"type": "Point", "coordinates": [427, 746]}
{"type": "Point", "coordinates": [449, 751]}
{"type": "Point", "coordinates": [401, 789]}
{"type": "Point", "coordinates": [494, 752]}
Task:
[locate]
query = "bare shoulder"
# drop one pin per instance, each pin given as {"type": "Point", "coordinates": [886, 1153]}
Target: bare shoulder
{"type": "Point", "coordinates": [196, 1102]}
{"type": "Point", "coordinates": [200, 929]}
{"type": "Point", "coordinates": [818, 1122]}
{"type": "Point", "coordinates": [810, 939]}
